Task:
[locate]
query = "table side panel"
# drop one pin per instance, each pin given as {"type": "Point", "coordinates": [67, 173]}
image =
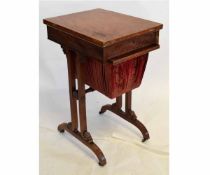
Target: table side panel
{"type": "Point", "coordinates": [83, 47]}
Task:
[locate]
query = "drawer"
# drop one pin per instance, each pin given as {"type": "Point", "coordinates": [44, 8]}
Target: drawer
{"type": "Point", "coordinates": [142, 42]}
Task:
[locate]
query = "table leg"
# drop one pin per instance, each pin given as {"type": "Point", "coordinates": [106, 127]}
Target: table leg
{"type": "Point", "coordinates": [81, 97]}
{"type": "Point", "coordinates": [72, 87]}
{"type": "Point", "coordinates": [128, 115]}
{"type": "Point", "coordinates": [128, 102]}
{"type": "Point", "coordinates": [83, 135]}
{"type": "Point", "coordinates": [119, 102]}
{"type": "Point", "coordinates": [70, 56]}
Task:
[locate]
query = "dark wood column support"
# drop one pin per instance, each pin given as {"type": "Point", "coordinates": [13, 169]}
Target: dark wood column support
{"type": "Point", "coordinates": [81, 97]}
{"type": "Point", "coordinates": [128, 102]}
{"type": "Point", "coordinates": [72, 87]}
{"type": "Point", "coordinates": [128, 115]}
{"type": "Point", "coordinates": [119, 101]}
{"type": "Point", "coordinates": [83, 135]}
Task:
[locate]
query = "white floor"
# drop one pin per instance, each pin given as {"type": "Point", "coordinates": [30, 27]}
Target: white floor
{"type": "Point", "coordinates": [119, 140]}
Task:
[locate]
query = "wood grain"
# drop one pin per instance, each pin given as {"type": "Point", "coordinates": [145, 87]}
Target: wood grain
{"type": "Point", "coordinates": [102, 27]}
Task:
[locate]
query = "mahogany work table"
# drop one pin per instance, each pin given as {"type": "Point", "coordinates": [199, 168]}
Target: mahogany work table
{"type": "Point", "coordinates": [107, 51]}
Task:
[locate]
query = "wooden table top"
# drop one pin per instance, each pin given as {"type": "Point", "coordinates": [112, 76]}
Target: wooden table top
{"type": "Point", "coordinates": [102, 27]}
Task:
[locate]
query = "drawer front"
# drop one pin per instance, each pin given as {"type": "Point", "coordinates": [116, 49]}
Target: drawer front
{"type": "Point", "coordinates": [135, 43]}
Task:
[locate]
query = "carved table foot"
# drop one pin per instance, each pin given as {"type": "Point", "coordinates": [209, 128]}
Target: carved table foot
{"type": "Point", "coordinates": [129, 116]}
{"type": "Point", "coordinates": [86, 139]}
{"type": "Point", "coordinates": [105, 108]}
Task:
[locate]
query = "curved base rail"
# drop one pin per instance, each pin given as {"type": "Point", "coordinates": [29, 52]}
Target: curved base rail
{"type": "Point", "coordinates": [128, 116]}
{"type": "Point", "coordinates": [86, 140]}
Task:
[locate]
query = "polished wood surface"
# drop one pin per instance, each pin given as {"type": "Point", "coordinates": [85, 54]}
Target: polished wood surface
{"type": "Point", "coordinates": [102, 27]}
